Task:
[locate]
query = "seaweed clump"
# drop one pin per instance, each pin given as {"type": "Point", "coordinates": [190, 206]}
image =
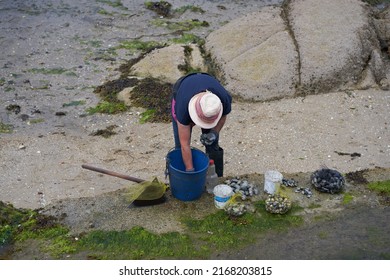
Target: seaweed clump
{"type": "Point", "coordinates": [108, 91]}
{"type": "Point", "coordinates": [154, 96]}
{"type": "Point", "coordinates": [162, 8]}
{"type": "Point", "coordinates": [15, 223]}
{"type": "Point", "coordinates": [149, 93]}
{"type": "Point", "coordinates": [106, 133]}
{"type": "Point", "coordinates": [357, 177]}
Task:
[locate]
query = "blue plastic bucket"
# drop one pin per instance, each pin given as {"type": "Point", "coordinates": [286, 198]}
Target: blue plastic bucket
{"type": "Point", "coordinates": [184, 185]}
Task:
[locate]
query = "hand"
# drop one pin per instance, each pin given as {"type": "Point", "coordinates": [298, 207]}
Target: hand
{"type": "Point", "coordinates": [210, 138]}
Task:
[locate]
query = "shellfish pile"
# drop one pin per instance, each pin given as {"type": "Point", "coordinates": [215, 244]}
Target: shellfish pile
{"type": "Point", "coordinates": [327, 180]}
{"type": "Point", "coordinates": [304, 191]}
{"type": "Point", "coordinates": [243, 187]}
{"type": "Point", "coordinates": [294, 184]}
{"type": "Point", "coordinates": [277, 204]}
{"type": "Point", "coordinates": [289, 183]}
{"type": "Point", "coordinates": [235, 209]}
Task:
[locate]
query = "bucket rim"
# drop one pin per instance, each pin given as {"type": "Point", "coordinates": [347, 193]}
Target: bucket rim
{"type": "Point", "coordinates": [223, 186]}
{"type": "Point", "coordinates": [185, 172]}
{"type": "Point", "coordinates": [273, 175]}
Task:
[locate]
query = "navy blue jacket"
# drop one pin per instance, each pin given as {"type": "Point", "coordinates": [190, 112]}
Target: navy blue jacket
{"type": "Point", "coordinates": [188, 86]}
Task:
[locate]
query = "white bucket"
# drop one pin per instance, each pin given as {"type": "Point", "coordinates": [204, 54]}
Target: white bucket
{"type": "Point", "coordinates": [222, 193]}
{"type": "Point", "coordinates": [272, 180]}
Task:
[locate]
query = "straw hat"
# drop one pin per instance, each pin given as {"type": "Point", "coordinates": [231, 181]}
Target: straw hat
{"type": "Point", "coordinates": [205, 109]}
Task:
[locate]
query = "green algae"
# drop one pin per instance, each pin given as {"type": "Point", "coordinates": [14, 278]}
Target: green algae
{"type": "Point", "coordinates": [217, 231]}
{"type": "Point", "coordinates": [223, 231]}
{"type": "Point", "coordinates": [5, 128]}
{"type": "Point", "coordinates": [19, 225]}
{"type": "Point", "coordinates": [138, 243]}
{"type": "Point", "coordinates": [187, 38]}
{"type": "Point", "coordinates": [347, 198]}
{"type": "Point", "coordinates": [138, 45]}
{"type": "Point", "coordinates": [107, 107]}
{"type": "Point", "coordinates": [382, 187]}
{"type": "Point", "coordinates": [185, 25]}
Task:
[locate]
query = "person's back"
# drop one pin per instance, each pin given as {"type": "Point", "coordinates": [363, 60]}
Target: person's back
{"type": "Point", "coordinates": [200, 99]}
{"type": "Point", "coordinates": [193, 84]}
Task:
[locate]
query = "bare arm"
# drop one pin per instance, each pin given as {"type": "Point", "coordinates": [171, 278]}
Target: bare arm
{"type": "Point", "coordinates": [220, 124]}
{"type": "Point", "coordinates": [185, 140]}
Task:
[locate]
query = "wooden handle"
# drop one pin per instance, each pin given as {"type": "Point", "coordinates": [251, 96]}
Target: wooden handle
{"type": "Point", "coordinates": [112, 173]}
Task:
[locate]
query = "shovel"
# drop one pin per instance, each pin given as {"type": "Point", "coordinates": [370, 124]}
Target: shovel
{"type": "Point", "coordinates": [145, 193]}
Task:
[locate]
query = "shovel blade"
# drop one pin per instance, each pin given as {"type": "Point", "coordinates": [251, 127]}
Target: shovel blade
{"type": "Point", "coordinates": [146, 191]}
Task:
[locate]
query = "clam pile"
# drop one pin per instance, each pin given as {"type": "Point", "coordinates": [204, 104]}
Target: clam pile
{"type": "Point", "coordinates": [242, 187]}
{"type": "Point", "coordinates": [277, 204]}
{"type": "Point", "coordinates": [327, 180]}
{"type": "Point", "coordinates": [236, 209]}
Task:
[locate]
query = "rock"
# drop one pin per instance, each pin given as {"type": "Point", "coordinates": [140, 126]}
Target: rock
{"type": "Point", "coordinates": [385, 83]}
{"type": "Point", "coordinates": [195, 58]}
{"type": "Point", "coordinates": [161, 63]}
{"type": "Point", "coordinates": [335, 42]}
{"type": "Point", "coordinates": [303, 47]}
{"type": "Point", "coordinates": [124, 95]}
{"type": "Point", "coordinates": [374, 75]}
{"type": "Point", "coordinates": [256, 55]}
{"type": "Point", "coordinates": [382, 25]}
{"type": "Point", "coordinates": [164, 63]}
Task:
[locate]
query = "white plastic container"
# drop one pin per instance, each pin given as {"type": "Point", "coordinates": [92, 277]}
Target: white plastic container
{"type": "Point", "coordinates": [211, 178]}
{"type": "Point", "coordinates": [222, 193]}
{"type": "Point", "coordinates": [272, 180]}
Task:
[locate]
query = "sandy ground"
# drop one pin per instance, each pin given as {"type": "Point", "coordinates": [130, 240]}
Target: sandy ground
{"type": "Point", "coordinates": [41, 159]}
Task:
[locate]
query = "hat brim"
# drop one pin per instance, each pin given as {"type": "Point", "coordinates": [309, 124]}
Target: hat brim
{"type": "Point", "coordinates": [196, 119]}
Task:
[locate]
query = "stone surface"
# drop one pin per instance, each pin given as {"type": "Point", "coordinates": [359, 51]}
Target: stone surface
{"type": "Point", "coordinates": [257, 59]}
{"type": "Point", "coordinates": [382, 24]}
{"type": "Point", "coordinates": [161, 63]}
{"type": "Point", "coordinates": [302, 47]}
{"type": "Point", "coordinates": [165, 63]}
{"type": "Point", "coordinates": [335, 42]}
{"type": "Point", "coordinates": [299, 48]}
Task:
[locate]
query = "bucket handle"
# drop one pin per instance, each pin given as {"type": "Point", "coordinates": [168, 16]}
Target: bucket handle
{"type": "Point", "coordinates": [167, 162]}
